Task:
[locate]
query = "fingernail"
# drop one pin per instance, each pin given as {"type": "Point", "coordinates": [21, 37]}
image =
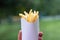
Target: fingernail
{"type": "Point", "coordinates": [40, 34]}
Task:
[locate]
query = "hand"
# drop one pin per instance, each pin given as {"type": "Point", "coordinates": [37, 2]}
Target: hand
{"type": "Point", "coordinates": [39, 35]}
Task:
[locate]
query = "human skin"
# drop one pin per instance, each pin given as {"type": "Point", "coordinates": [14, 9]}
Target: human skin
{"type": "Point", "coordinates": [40, 34]}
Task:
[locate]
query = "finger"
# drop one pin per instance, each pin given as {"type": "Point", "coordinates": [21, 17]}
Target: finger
{"type": "Point", "coordinates": [39, 38]}
{"type": "Point", "coordinates": [40, 34]}
{"type": "Point", "coordinates": [20, 35]}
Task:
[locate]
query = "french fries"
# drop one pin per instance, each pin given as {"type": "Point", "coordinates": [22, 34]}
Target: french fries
{"type": "Point", "coordinates": [31, 16]}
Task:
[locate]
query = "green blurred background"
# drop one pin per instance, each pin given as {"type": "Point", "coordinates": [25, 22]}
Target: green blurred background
{"type": "Point", "coordinates": [10, 20]}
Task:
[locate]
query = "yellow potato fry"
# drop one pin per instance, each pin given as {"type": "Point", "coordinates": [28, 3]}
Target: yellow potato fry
{"type": "Point", "coordinates": [34, 18]}
{"type": "Point", "coordinates": [25, 13]}
{"type": "Point", "coordinates": [34, 12]}
{"type": "Point", "coordinates": [31, 17]}
{"type": "Point", "coordinates": [37, 12]}
{"type": "Point", "coordinates": [30, 11]}
{"type": "Point", "coordinates": [22, 15]}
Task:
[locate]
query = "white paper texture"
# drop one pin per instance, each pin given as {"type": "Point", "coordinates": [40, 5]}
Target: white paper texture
{"type": "Point", "coordinates": [29, 30]}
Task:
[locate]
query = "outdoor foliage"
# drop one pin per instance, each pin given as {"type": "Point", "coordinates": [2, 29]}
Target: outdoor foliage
{"type": "Point", "coordinates": [13, 7]}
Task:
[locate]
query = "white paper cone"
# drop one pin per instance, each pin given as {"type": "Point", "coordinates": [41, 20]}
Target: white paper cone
{"type": "Point", "coordinates": [29, 30]}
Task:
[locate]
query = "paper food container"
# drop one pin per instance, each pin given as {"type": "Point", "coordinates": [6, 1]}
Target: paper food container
{"type": "Point", "coordinates": [29, 30]}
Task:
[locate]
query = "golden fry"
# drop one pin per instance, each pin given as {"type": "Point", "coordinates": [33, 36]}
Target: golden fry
{"type": "Point", "coordinates": [34, 12]}
{"type": "Point", "coordinates": [25, 13]}
{"type": "Point", "coordinates": [22, 15]}
{"type": "Point", "coordinates": [37, 12]}
{"type": "Point", "coordinates": [31, 17]}
{"type": "Point", "coordinates": [30, 11]}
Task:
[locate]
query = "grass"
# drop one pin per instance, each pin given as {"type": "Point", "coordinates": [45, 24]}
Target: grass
{"type": "Point", "coordinates": [50, 29]}
{"type": "Point", "coordinates": [9, 31]}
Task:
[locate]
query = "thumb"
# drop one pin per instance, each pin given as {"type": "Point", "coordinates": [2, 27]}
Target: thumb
{"type": "Point", "coordinates": [20, 35]}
